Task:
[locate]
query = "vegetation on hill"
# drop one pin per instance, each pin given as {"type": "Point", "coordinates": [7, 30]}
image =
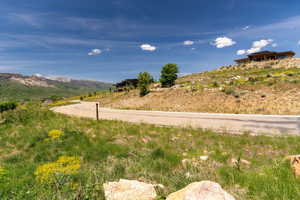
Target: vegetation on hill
{"type": "Point", "coordinates": [144, 81]}
{"type": "Point", "coordinates": [14, 90]}
{"type": "Point", "coordinates": [264, 88]}
{"type": "Point", "coordinates": [168, 75]}
{"type": "Point", "coordinates": [6, 105]}
{"type": "Point", "coordinates": [44, 155]}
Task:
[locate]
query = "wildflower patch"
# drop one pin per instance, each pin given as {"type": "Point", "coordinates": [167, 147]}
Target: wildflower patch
{"type": "Point", "coordinates": [55, 135]}
{"type": "Point", "coordinates": [65, 166]}
{"type": "Point", "coordinates": [2, 171]}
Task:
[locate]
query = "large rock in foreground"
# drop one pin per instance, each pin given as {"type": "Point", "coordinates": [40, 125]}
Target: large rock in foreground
{"type": "Point", "coordinates": [129, 190]}
{"type": "Point", "coordinates": [295, 164]}
{"type": "Point", "coordinates": [204, 190]}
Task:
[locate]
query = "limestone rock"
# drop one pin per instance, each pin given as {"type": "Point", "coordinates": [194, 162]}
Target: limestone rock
{"type": "Point", "coordinates": [295, 164]}
{"type": "Point", "coordinates": [129, 190]}
{"type": "Point", "coordinates": [204, 157]}
{"type": "Point", "coordinates": [242, 161]}
{"type": "Point", "coordinates": [204, 190]}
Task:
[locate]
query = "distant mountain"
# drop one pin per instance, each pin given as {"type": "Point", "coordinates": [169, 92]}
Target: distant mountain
{"type": "Point", "coordinates": [20, 87]}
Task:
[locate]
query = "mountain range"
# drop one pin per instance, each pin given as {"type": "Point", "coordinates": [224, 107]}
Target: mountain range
{"type": "Point", "coordinates": [22, 87]}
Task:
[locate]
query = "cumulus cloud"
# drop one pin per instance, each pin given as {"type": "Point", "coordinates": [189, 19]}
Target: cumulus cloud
{"type": "Point", "coordinates": [241, 52]}
{"type": "Point", "coordinates": [147, 47]}
{"type": "Point", "coordinates": [94, 52]}
{"type": "Point", "coordinates": [246, 28]}
{"type": "Point", "coordinates": [261, 43]}
{"type": "Point", "coordinates": [299, 42]}
{"type": "Point", "coordinates": [257, 46]}
{"type": "Point", "coordinates": [222, 42]}
{"type": "Point", "coordinates": [188, 42]}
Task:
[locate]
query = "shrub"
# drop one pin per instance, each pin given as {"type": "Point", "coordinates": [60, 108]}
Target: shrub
{"type": "Point", "coordinates": [215, 84]}
{"type": "Point", "coordinates": [144, 81]}
{"type": "Point", "coordinates": [229, 91]}
{"type": "Point", "coordinates": [168, 75]}
{"type": "Point", "coordinates": [4, 106]}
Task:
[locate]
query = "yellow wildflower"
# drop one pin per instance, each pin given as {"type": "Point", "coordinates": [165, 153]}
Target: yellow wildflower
{"type": "Point", "coordinates": [73, 185]}
{"type": "Point", "coordinates": [65, 165]}
{"type": "Point", "coordinates": [55, 134]}
{"type": "Point", "coordinates": [2, 171]}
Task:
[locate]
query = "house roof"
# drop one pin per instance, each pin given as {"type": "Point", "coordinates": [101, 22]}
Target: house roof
{"type": "Point", "coordinates": [272, 52]}
{"type": "Point", "coordinates": [264, 53]}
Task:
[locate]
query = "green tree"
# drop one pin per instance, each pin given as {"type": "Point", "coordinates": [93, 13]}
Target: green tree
{"type": "Point", "coordinates": [168, 75]}
{"type": "Point", "coordinates": [144, 81]}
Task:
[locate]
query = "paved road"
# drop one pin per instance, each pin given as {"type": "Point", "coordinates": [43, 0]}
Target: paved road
{"type": "Point", "coordinates": [233, 123]}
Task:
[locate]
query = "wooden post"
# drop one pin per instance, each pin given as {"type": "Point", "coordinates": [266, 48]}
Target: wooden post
{"type": "Point", "coordinates": [97, 111]}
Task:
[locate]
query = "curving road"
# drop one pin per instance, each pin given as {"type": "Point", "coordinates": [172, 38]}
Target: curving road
{"type": "Point", "coordinates": [233, 123]}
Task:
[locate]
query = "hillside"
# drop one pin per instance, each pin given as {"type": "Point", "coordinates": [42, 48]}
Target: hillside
{"type": "Point", "coordinates": [19, 87]}
{"type": "Point", "coordinates": [269, 87]}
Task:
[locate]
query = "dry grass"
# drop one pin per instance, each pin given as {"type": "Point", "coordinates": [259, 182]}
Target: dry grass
{"type": "Point", "coordinates": [268, 88]}
{"type": "Point", "coordinates": [265, 100]}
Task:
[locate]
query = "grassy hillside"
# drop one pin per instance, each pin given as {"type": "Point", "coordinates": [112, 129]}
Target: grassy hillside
{"type": "Point", "coordinates": [13, 90]}
{"type": "Point", "coordinates": [44, 155]}
{"type": "Point", "coordinates": [271, 87]}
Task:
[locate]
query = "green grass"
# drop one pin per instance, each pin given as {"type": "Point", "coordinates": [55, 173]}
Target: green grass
{"type": "Point", "coordinates": [110, 150]}
{"type": "Point", "coordinates": [11, 90]}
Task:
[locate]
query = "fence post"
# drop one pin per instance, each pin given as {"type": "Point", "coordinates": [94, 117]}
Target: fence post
{"type": "Point", "coordinates": [97, 111]}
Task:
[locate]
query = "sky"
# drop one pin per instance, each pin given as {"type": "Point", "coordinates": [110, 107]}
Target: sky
{"type": "Point", "coordinates": [110, 40]}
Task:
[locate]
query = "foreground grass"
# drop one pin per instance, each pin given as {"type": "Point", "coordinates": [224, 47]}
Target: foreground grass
{"type": "Point", "coordinates": [109, 150]}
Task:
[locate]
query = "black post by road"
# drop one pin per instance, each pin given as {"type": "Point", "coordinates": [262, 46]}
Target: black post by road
{"type": "Point", "coordinates": [97, 111]}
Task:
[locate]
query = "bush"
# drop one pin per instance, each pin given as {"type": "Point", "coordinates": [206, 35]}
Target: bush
{"type": "Point", "coordinates": [229, 91]}
{"type": "Point", "coordinates": [168, 75]}
{"type": "Point", "coordinates": [144, 81]}
{"type": "Point", "coordinates": [4, 106]}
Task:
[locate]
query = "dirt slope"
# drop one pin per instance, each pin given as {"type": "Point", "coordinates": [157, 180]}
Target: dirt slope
{"type": "Point", "coordinates": [271, 87]}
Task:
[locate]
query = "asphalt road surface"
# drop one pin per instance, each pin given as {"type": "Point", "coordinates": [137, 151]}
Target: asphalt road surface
{"type": "Point", "coordinates": [231, 123]}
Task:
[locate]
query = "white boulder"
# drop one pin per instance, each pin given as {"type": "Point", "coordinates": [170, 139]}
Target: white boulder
{"type": "Point", "coordinates": [129, 190]}
{"type": "Point", "coordinates": [204, 190]}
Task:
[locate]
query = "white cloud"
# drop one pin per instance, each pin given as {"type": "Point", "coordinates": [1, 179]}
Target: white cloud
{"type": "Point", "coordinates": [261, 43]}
{"type": "Point", "coordinates": [299, 42]}
{"type": "Point", "coordinates": [253, 50]}
{"type": "Point", "coordinates": [246, 28]}
{"type": "Point", "coordinates": [222, 42]}
{"type": "Point", "coordinates": [241, 52]}
{"type": "Point", "coordinates": [94, 52]}
{"type": "Point", "coordinates": [188, 42]}
{"type": "Point", "coordinates": [147, 47]}
{"type": "Point", "coordinates": [257, 46]}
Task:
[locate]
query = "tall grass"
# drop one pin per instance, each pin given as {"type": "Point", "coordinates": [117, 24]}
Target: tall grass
{"type": "Point", "coordinates": [110, 150]}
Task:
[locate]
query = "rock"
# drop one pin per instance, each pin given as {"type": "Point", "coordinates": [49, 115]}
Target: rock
{"type": "Point", "coordinates": [295, 164]}
{"type": "Point", "coordinates": [204, 190]}
{"type": "Point", "coordinates": [204, 157]}
{"type": "Point", "coordinates": [242, 161]}
{"type": "Point", "coordinates": [129, 190]}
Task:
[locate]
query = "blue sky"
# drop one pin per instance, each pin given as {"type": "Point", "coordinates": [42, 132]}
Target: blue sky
{"type": "Point", "coordinates": [110, 40]}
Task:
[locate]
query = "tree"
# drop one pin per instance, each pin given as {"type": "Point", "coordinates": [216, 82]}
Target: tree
{"type": "Point", "coordinates": [144, 81]}
{"type": "Point", "coordinates": [168, 75]}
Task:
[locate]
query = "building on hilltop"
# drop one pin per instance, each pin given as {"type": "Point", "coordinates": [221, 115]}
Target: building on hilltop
{"type": "Point", "coordinates": [266, 55]}
{"type": "Point", "coordinates": [126, 84]}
